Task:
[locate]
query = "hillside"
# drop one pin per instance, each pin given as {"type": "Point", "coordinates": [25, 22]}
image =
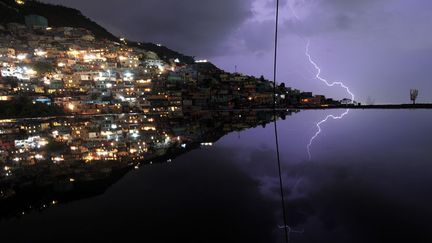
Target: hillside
{"type": "Point", "coordinates": [60, 16]}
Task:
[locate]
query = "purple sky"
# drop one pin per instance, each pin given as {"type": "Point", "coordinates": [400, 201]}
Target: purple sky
{"type": "Point", "coordinates": [379, 48]}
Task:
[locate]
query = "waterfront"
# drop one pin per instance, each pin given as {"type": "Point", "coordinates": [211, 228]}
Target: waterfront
{"type": "Point", "coordinates": [368, 180]}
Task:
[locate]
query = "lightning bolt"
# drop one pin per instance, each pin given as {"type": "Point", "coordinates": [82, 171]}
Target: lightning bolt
{"type": "Point", "coordinates": [318, 69]}
{"type": "Point", "coordinates": [324, 80]}
{"type": "Point", "coordinates": [330, 84]}
{"type": "Point", "coordinates": [320, 130]}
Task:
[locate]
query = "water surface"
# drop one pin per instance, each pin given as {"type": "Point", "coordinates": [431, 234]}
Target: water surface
{"type": "Point", "coordinates": [368, 180]}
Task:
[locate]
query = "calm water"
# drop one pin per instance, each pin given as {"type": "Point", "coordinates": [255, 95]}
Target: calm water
{"type": "Point", "coordinates": [369, 179]}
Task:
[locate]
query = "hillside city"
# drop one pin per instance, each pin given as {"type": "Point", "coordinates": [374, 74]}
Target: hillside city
{"type": "Point", "coordinates": [69, 68]}
{"type": "Point", "coordinates": [109, 135]}
{"type": "Point", "coordinates": [81, 108]}
{"type": "Point", "coordinates": [103, 105]}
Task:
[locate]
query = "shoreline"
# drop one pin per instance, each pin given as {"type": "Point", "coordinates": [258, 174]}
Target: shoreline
{"type": "Point", "coordinates": [362, 107]}
{"type": "Point", "coordinates": [383, 106]}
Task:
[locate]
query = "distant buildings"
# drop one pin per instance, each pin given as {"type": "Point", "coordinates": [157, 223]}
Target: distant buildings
{"type": "Point", "coordinates": [66, 67]}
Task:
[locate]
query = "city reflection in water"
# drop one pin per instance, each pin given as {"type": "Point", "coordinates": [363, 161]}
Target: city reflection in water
{"type": "Point", "coordinates": [56, 160]}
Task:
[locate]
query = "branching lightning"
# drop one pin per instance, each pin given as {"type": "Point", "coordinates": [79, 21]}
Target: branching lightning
{"type": "Point", "coordinates": [320, 130]}
{"type": "Point", "coordinates": [330, 84]}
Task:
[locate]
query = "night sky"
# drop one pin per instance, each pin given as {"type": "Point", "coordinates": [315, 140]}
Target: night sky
{"type": "Point", "coordinates": [379, 48]}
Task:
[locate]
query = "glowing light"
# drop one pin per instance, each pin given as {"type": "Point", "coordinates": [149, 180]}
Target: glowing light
{"type": "Point", "coordinates": [89, 158]}
{"type": "Point", "coordinates": [142, 81]}
{"type": "Point", "coordinates": [133, 151]}
{"type": "Point", "coordinates": [89, 57]}
{"type": "Point", "coordinates": [30, 71]}
{"type": "Point", "coordinates": [73, 53]}
{"type": "Point", "coordinates": [57, 159]}
{"type": "Point", "coordinates": [134, 134]}
{"type": "Point", "coordinates": [71, 106]}
{"type": "Point", "coordinates": [40, 53]}
{"type": "Point", "coordinates": [42, 143]}
{"type": "Point", "coordinates": [21, 56]}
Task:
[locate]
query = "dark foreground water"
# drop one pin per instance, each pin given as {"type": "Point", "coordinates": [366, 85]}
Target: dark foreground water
{"type": "Point", "coordinates": [369, 179]}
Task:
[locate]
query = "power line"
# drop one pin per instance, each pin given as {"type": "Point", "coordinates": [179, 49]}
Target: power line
{"type": "Point", "coordinates": [275, 120]}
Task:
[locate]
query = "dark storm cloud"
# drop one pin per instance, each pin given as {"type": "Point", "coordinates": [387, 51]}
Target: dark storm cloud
{"type": "Point", "coordinates": [255, 37]}
{"type": "Point", "coordinates": [329, 16]}
{"type": "Point", "coordinates": [320, 17]}
{"type": "Point", "coordinates": [193, 27]}
{"type": "Point", "coordinates": [325, 17]}
{"type": "Point", "coordinates": [350, 5]}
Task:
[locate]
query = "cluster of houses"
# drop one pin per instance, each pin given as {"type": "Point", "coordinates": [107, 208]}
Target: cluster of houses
{"type": "Point", "coordinates": [69, 68]}
{"type": "Point", "coordinates": [91, 148]}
